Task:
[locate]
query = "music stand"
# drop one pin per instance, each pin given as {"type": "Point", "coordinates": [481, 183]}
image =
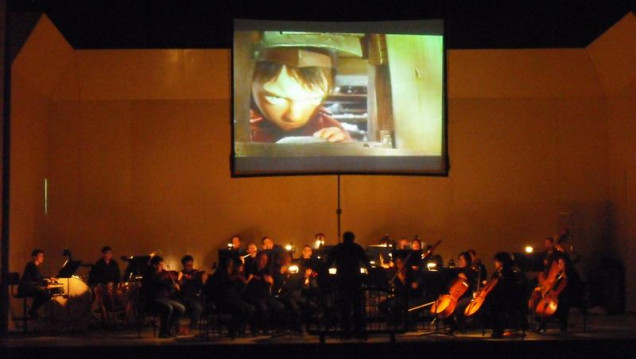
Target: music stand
{"type": "Point", "coordinates": [69, 268]}
{"type": "Point", "coordinates": [137, 266]}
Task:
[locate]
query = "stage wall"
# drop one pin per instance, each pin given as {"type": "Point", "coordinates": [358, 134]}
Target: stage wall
{"type": "Point", "coordinates": [135, 145]}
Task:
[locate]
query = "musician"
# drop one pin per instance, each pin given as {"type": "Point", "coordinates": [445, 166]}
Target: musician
{"type": "Point", "coordinates": [503, 300]}
{"type": "Point", "coordinates": [105, 270]}
{"type": "Point", "coordinates": [405, 284]}
{"type": "Point", "coordinates": [403, 244]}
{"type": "Point", "coordinates": [249, 258]}
{"type": "Point", "coordinates": [562, 291]}
{"type": "Point", "coordinates": [158, 288]}
{"type": "Point", "coordinates": [232, 285]}
{"type": "Point", "coordinates": [259, 294]}
{"type": "Point", "coordinates": [348, 257]}
{"type": "Point", "coordinates": [470, 273]}
{"type": "Point", "coordinates": [33, 284]}
{"type": "Point", "coordinates": [236, 245]}
{"type": "Point", "coordinates": [272, 249]}
{"type": "Point", "coordinates": [307, 260]}
{"type": "Point", "coordinates": [191, 285]}
{"type": "Point", "coordinates": [287, 290]}
{"type": "Point", "coordinates": [416, 244]}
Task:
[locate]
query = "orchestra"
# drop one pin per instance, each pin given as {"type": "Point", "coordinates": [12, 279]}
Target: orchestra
{"type": "Point", "coordinates": [267, 291]}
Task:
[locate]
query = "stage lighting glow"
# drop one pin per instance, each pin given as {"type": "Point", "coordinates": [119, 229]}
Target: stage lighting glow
{"type": "Point", "coordinates": [333, 271]}
{"type": "Point", "coordinates": [293, 269]}
{"type": "Point", "coordinates": [529, 249]}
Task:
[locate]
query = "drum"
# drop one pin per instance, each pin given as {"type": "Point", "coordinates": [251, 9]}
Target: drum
{"type": "Point", "coordinates": [73, 306]}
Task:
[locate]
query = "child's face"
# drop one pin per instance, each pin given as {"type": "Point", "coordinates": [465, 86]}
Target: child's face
{"type": "Point", "coordinates": [286, 102]}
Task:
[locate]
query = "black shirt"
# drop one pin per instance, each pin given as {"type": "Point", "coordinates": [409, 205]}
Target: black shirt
{"type": "Point", "coordinates": [104, 273]}
{"type": "Point", "coordinates": [348, 257]}
{"type": "Point", "coordinates": [155, 287]}
{"type": "Point", "coordinates": [31, 279]}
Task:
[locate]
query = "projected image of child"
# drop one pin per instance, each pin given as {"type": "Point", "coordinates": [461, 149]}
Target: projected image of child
{"type": "Point", "coordinates": [289, 87]}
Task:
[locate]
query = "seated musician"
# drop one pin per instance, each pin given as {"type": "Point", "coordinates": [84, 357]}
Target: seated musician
{"type": "Point", "coordinates": [236, 245]}
{"type": "Point", "coordinates": [504, 306]}
{"type": "Point", "coordinates": [104, 275]}
{"type": "Point", "coordinates": [259, 294]}
{"type": "Point", "coordinates": [562, 291]}
{"type": "Point", "coordinates": [191, 285]}
{"type": "Point", "coordinates": [33, 284]}
{"type": "Point", "coordinates": [416, 244]}
{"type": "Point", "coordinates": [158, 290]}
{"type": "Point", "coordinates": [231, 289]}
{"type": "Point", "coordinates": [287, 290]}
{"type": "Point", "coordinates": [403, 244]}
{"type": "Point", "coordinates": [250, 257]}
{"type": "Point", "coordinates": [405, 284]}
{"type": "Point", "coordinates": [470, 273]}
{"type": "Point", "coordinates": [273, 250]}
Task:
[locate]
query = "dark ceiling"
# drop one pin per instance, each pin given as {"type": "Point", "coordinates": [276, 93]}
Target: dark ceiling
{"type": "Point", "coordinates": [470, 24]}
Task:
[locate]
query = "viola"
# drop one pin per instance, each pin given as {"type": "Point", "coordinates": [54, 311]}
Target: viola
{"type": "Point", "coordinates": [477, 302]}
{"type": "Point", "coordinates": [445, 305]}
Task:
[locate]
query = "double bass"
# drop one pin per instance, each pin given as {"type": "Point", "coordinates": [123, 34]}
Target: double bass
{"type": "Point", "coordinates": [547, 278]}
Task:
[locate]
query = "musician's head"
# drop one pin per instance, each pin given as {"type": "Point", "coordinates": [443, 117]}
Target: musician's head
{"type": "Point", "coordinates": [267, 243]}
{"type": "Point", "coordinates": [252, 249]}
{"type": "Point", "coordinates": [156, 262]}
{"type": "Point", "coordinates": [261, 260]}
{"type": "Point", "coordinates": [348, 237]}
{"type": "Point", "coordinates": [503, 260]}
{"type": "Point", "coordinates": [416, 244]}
{"type": "Point", "coordinates": [399, 262]}
{"type": "Point", "coordinates": [561, 260]}
{"type": "Point", "coordinates": [188, 262]}
{"type": "Point", "coordinates": [307, 252]}
{"type": "Point", "coordinates": [236, 241]}
{"type": "Point", "coordinates": [107, 253]}
{"type": "Point", "coordinates": [38, 256]}
{"type": "Point", "coordinates": [548, 243]}
{"type": "Point", "coordinates": [464, 260]}
{"type": "Point", "coordinates": [403, 243]}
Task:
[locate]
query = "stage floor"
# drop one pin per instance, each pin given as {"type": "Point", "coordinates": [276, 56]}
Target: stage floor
{"type": "Point", "coordinates": [604, 335]}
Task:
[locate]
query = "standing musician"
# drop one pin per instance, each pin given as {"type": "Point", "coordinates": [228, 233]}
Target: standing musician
{"type": "Point", "coordinates": [259, 294]}
{"type": "Point", "coordinates": [191, 285]}
{"type": "Point", "coordinates": [503, 301]}
{"type": "Point", "coordinates": [158, 288]}
{"type": "Point", "coordinates": [33, 284]}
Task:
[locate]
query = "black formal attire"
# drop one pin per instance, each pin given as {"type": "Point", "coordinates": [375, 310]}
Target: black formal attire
{"type": "Point", "coordinates": [157, 294]}
{"type": "Point", "coordinates": [269, 310]}
{"type": "Point", "coordinates": [32, 285]}
{"type": "Point", "coordinates": [230, 298]}
{"type": "Point", "coordinates": [287, 290]}
{"type": "Point", "coordinates": [348, 257]}
{"type": "Point", "coordinates": [104, 273]}
{"type": "Point", "coordinates": [191, 295]}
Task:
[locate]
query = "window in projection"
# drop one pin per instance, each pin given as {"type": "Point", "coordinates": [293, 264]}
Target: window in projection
{"type": "Point", "coordinates": [327, 98]}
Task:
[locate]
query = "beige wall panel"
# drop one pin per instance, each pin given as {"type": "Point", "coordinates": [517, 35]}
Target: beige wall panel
{"type": "Point", "coordinates": [153, 74]}
{"type": "Point", "coordinates": [614, 55]}
{"type": "Point", "coordinates": [44, 56]}
{"type": "Point", "coordinates": [28, 169]}
{"type": "Point", "coordinates": [520, 73]}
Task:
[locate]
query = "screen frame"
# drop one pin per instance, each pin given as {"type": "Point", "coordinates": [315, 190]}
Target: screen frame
{"type": "Point", "coordinates": [396, 26]}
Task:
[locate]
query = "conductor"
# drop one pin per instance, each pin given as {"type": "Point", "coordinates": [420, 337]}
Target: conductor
{"type": "Point", "coordinates": [348, 258]}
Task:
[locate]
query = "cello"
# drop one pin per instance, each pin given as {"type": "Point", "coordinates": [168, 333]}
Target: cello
{"type": "Point", "coordinates": [480, 297]}
{"type": "Point", "coordinates": [445, 305]}
{"type": "Point", "coordinates": [547, 278]}
{"type": "Point", "coordinates": [549, 302]}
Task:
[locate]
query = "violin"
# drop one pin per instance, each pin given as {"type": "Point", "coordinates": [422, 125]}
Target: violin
{"type": "Point", "coordinates": [480, 297]}
{"type": "Point", "coordinates": [445, 305]}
